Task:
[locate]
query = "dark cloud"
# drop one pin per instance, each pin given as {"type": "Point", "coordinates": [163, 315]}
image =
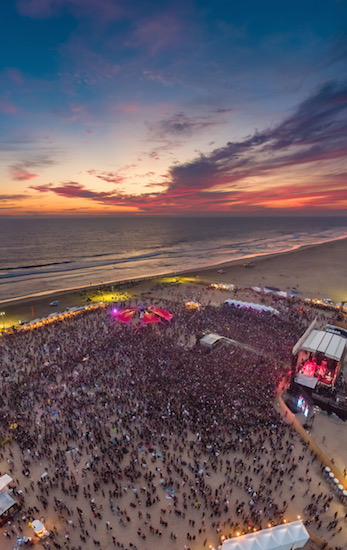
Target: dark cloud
{"type": "Point", "coordinates": [43, 188]}
{"type": "Point", "coordinates": [317, 131]}
{"type": "Point", "coordinates": [18, 197]}
{"type": "Point", "coordinates": [180, 125]}
{"type": "Point", "coordinates": [72, 189]}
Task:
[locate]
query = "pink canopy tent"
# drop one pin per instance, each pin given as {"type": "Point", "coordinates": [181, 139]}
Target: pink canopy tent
{"type": "Point", "coordinates": [161, 312]}
{"type": "Point", "coordinates": [146, 315]}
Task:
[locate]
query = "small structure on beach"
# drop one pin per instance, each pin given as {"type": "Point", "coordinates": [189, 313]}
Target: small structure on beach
{"type": "Point", "coordinates": [39, 529]}
{"type": "Point", "coordinates": [8, 506]}
{"type": "Point", "coordinates": [193, 305]}
{"type": "Point", "coordinates": [251, 305]}
{"type": "Point", "coordinates": [287, 536]}
{"type": "Point", "coordinates": [210, 341]}
{"type": "Point", "coordinates": [221, 286]}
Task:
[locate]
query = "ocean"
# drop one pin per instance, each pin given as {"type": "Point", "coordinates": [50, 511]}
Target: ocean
{"type": "Point", "coordinates": [39, 255]}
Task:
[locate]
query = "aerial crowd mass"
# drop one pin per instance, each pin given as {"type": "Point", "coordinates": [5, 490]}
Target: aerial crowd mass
{"type": "Point", "coordinates": [140, 439]}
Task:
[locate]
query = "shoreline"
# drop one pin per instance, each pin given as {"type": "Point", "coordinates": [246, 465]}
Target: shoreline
{"type": "Point", "coordinates": [197, 269]}
{"type": "Point", "coordinates": [299, 268]}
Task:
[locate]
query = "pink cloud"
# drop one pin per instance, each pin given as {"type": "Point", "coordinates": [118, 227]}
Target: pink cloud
{"type": "Point", "coordinates": [7, 107]}
{"type": "Point", "coordinates": [21, 174]}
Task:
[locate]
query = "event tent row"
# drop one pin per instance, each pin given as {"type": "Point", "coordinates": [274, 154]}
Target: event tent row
{"type": "Point", "coordinates": [55, 316]}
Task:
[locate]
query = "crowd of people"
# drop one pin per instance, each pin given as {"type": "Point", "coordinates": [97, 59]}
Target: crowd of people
{"type": "Point", "coordinates": [134, 439]}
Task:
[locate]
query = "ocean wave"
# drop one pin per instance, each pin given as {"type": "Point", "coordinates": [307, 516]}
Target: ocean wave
{"type": "Point", "coordinates": [56, 267]}
{"type": "Point", "coordinates": [178, 255]}
{"type": "Point", "coordinates": [184, 256]}
{"type": "Point", "coordinates": [34, 266]}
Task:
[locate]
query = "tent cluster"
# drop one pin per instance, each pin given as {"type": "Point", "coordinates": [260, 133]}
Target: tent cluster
{"type": "Point", "coordinates": [147, 315]}
{"type": "Point", "coordinates": [250, 305]}
{"type": "Point", "coordinates": [52, 317]}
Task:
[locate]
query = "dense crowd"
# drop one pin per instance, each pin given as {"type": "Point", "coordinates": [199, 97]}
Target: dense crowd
{"type": "Point", "coordinates": [131, 439]}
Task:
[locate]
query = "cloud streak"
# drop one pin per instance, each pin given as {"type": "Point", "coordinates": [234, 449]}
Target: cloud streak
{"type": "Point", "coordinates": [22, 171]}
{"type": "Point", "coordinates": [180, 125]}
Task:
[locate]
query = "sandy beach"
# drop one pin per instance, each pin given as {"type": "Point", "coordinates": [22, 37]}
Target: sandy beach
{"type": "Point", "coordinates": [317, 271]}
{"type": "Point", "coordinates": [80, 387]}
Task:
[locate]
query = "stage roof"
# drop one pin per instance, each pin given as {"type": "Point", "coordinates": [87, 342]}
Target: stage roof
{"type": "Point", "coordinates": [287, 536]}
{"type": "Point", "coordinates": [331, 345]}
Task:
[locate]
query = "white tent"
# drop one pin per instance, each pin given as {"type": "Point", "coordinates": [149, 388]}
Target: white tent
{"type": "Point", "coordinates": [287, 536]}
{"type": "Point", "coordinates": [251, 305]}
{"type": "Point", "coordinates": [209, 340]}
{"type": "Point", "coordinates": [6, 502]}
{"type": "Point", "coordinates": [4, 481]}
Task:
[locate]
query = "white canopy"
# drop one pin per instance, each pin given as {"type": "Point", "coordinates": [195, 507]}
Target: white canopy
{"type": "Point", "coordinates": [209, 340]}
{"type": "Point", "coordinates": [6, 502]}
{"type": "Point", "coordinates": [251, 305]}
{"type": "Point", "coordinates": [306, 380]}
{"type": "Point", "coordinates": [287, 536]}
{"type": "Point", "coordinates": [4, 481]}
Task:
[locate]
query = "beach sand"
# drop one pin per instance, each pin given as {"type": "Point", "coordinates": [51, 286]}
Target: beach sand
{"type": "Point", "coordinates": [316, 271]}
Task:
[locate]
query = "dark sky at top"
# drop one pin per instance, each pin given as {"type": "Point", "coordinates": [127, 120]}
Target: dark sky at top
{"type": "Point", "coordinates": [173, 107]}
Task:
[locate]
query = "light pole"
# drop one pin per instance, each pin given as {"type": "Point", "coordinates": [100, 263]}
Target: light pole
{"type": "Point", "coordinates": [2, 314]}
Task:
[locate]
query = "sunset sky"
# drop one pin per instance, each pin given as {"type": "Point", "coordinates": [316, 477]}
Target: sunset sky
{"type": "Point", "coordinates": [160, 107]}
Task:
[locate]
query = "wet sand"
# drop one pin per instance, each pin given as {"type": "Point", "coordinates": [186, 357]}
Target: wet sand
{"type": "Point", "coordinates": [316, 271]}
